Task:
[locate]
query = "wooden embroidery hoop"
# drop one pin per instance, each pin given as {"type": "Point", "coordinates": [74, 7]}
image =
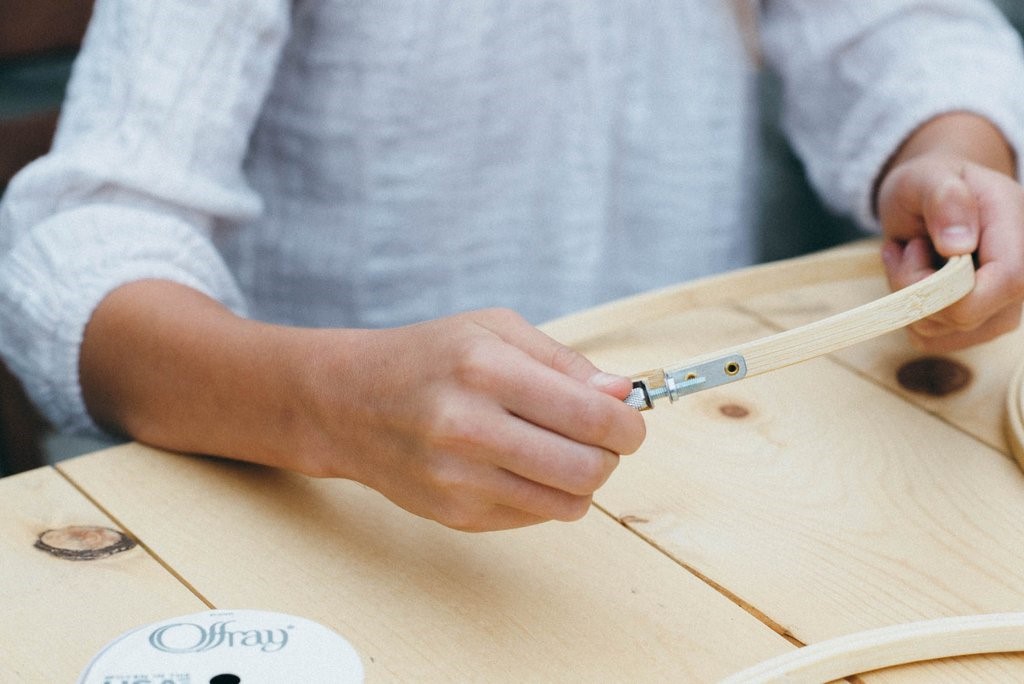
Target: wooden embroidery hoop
{"type": "Point", "coordinates": [896, 310]}
{"type": "Point", "coordinates": [890, 646]}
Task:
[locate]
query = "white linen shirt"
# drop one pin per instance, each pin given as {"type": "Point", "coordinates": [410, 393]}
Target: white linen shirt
{"type": "Point", "coordinates": [367, 164]}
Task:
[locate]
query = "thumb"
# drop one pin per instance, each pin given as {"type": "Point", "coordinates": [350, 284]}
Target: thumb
{"type": "Point", "coordinates": [618, 386]}
{"type": "Point", "coordinates": [951, 216]}
{"type": "Point", "coordinates": [576, 365]}
{"type": "Point", "coordinates": [513, 329]}
{"type": "Point", "coordinates": [930, 195]}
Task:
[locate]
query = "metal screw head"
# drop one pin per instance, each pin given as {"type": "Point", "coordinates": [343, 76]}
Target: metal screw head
{"type": "Point", "coordinates": [638, 398]}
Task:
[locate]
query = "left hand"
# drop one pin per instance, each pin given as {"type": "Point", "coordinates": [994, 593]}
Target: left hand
{"type": "Point", "coordinates": [940, 204]}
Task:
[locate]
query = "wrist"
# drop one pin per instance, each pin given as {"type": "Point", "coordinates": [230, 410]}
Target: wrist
{"type": "Point", "coordinates": [329, 412]}
{"type": "Point", "coordinates": [960, 136]}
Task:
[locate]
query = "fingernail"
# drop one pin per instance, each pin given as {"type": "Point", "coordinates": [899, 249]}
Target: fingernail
{"type": "Point", "coordinates": [958, 238]}
{"type": "Point", "coordinates": [602, 380]}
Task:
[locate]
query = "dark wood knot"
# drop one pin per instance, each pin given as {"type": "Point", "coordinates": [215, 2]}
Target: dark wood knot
{"type": "Point", "coordinates": [83, 542]}
{"type": "Point", "coordinates": [734, 411]}
{"type": "Point", "coordinates": [935, 376]}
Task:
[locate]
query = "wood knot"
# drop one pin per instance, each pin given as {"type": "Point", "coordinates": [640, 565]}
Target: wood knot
{"type": "Point", "coordinates": [935, 376]}
{"type": "Point", "coordinates": [734, 411]}
{"type": "Point", "coordinates": [83, 542]}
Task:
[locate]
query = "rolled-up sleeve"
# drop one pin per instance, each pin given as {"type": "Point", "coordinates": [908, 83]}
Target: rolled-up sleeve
{"type": "Point", "coordinates": [861, 76]}
{"type": "Point", "coordinates": [147, 161]}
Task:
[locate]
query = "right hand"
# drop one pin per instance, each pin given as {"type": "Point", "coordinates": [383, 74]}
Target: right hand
{"type": "Point", "coordinates": [478, 421]}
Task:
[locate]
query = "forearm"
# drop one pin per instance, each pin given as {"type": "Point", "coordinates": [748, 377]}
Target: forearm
{"type": "Point", "coordinates": [168, 366]}
{"type": "Point", "coordinates": [477, 420]}
{"type": "Point", "coordinates": [957, 134]}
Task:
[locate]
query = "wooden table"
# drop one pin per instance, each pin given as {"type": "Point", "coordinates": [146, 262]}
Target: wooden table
{"type": "Point", "coordinates": [800, 505]}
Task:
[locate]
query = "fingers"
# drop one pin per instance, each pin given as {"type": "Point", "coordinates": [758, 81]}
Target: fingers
{"type": "Point", "coordinates": [565, 407]}
{"type": "Point", "coordinates": [564, 394]}
{"type": "Point", "coordinates": [937, 207]}
{"type": "Point", "coordinates": [999, 282]}
{"type": "Point", "coordinates": [498, 499]}
{"type": "Point", "coordinates": [483, 466]}
{"type": "Point", "coordinates": [907, 263]}
{"type": "Point", "coordinates": [520, 334]}
{"type": "Point", "coordinates": [931, 197]}
{"type": "Point", "coordinates": [507, 428]}
{"type": "Point", "coordinates": [940, 340]}
{"type": "Point", "coordinates": [532, 452]}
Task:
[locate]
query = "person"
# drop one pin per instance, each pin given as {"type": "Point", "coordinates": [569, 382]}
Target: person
{"type": "Point", "coordinates": [319, 235]}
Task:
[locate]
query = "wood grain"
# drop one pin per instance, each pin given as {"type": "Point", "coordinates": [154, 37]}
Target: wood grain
{"type": "Point", "coordinates": [814, 500]}
{"type": "Point", "coordinates": [57, 613]}
{"type": "Point", "coordinates": [977, 409]}
{"type": "Point", "coordinates": [588, 601]}
{"type": "Point", "coordinates": [828, 503]}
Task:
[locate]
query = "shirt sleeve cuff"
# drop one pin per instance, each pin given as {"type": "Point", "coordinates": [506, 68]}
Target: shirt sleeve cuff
{"type": "Point", "coordinates": [877, 128]}
{"type": "Point", "coordinates": [54, 278]}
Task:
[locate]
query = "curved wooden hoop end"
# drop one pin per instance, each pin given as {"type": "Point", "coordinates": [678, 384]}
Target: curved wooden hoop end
{"type": "Point", "coordinates": [890, 646]}
{"type": "Point", "coordinates": [896, 310]}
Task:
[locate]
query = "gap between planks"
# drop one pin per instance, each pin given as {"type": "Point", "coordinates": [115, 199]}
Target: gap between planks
{"type": "Point", "coordinates": [734, 598]}
{"type": "Point", "coordinates": [153, 554]}
{"type": "Point", "coordinates": [746, 606]}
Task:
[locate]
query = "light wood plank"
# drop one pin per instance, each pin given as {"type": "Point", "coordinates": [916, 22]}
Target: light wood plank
{"type": "Point", "coordinates": [588, 601]}
{"type": "Point", "coordinates": [976, 409]}
{"type": "Point", "coordinates": [826, 502]}
{"type": "Point", "coordinates": [58, 613]}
